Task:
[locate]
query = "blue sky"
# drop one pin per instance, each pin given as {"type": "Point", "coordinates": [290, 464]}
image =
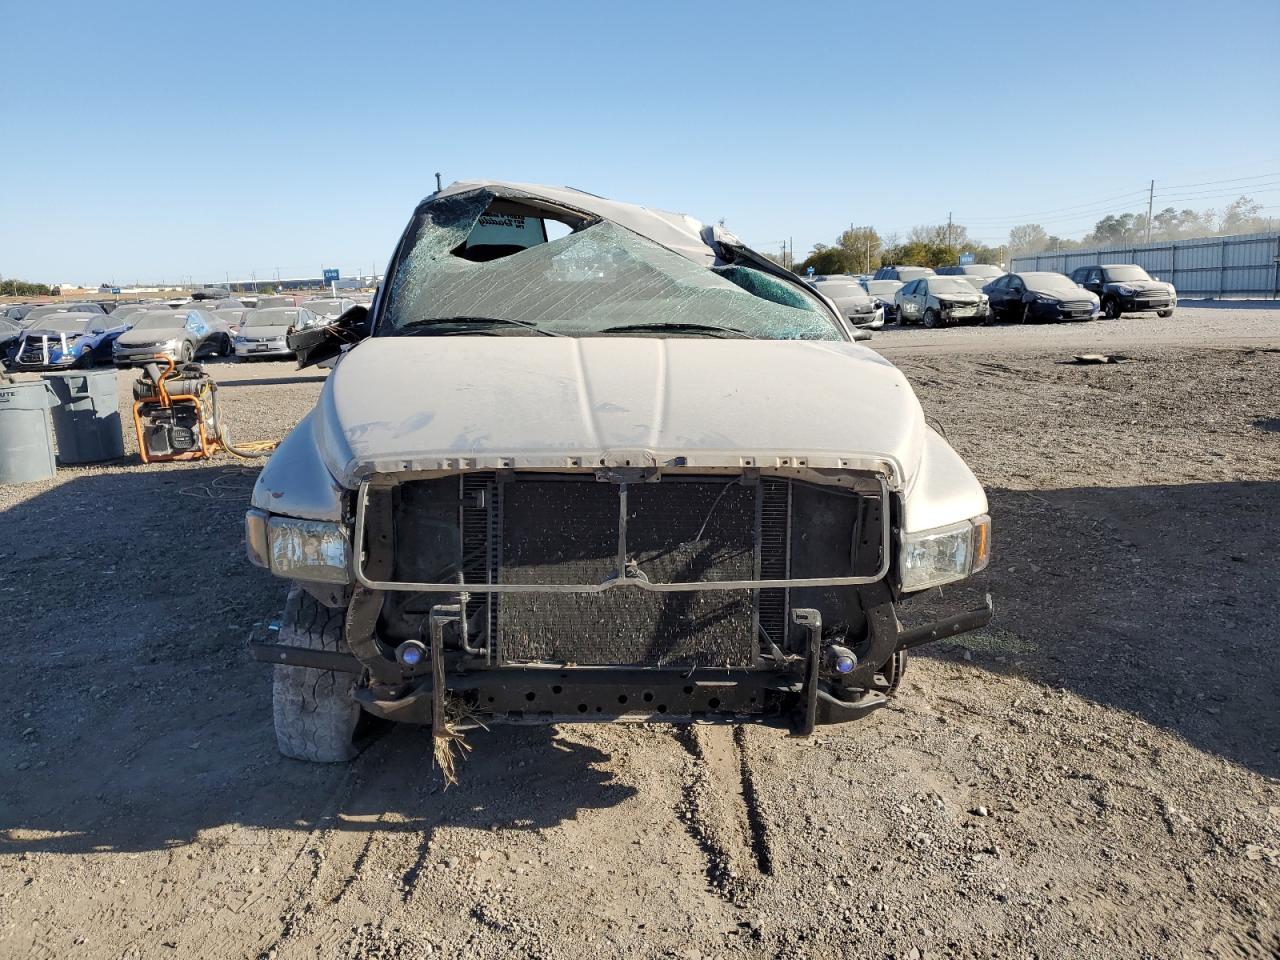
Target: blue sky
{"type": "Point", "coordinates": [146, 141]}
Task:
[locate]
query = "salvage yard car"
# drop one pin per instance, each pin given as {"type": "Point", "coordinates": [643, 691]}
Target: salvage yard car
{"type": "Point", "coordinates": [977, 274]}
{"type": "Point", "coordinates": [1038, 297]}
{"type": "Point", "coordinates": [70, 340]}
{"type": "Point", "coordinates": [939, 301]}
{"type": "Point", "coordinates": [882, 291]}
{"type": "Point", "coordinates": [1126, 288]}
{"type": "Point", "coordinates": [903, 274]}
{"type": "Point", "coordinates": [54, 309]}
{"type": "Point", "coordinates": [635, 472]}
{"type": "Point", "coordinates": [182, 335]}
{"type": "Point", "coordinates": [262, 331]}
{"type": "Point", "coordinates": [858, 307]}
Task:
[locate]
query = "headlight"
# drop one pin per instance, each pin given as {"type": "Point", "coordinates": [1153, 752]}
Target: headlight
{"type": "Point", "coordinates": [1041, 298]}
{"type": "Point", "coordinates": [1125, 291]}
{"type": "Point", "coordinates": [945, 554]}
{"type": "Point", "coordinates": [298, 549]}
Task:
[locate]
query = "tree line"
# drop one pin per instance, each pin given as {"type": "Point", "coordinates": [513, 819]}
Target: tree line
{"type": "Point", "coordinates": [20, 288]}
{"type": "Point", "coordinates": [863, 250]}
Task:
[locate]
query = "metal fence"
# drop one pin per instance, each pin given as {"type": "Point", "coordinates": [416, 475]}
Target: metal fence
{"type": "Point", "coordinates": [1239, 266]}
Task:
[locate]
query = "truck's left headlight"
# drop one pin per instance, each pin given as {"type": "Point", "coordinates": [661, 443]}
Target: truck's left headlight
{"type": "Point", "coordinates": [945, 554]}
{"type": "Point", "coordinates": [298, 549]}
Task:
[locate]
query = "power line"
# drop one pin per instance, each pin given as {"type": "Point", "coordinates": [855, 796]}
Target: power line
{"type": "Point", "coordinates": [1212, 195]}
{"type": "Point", "coordinates": [1023, 216]}
{"type": "Point", "coordinates": [1206, 183]}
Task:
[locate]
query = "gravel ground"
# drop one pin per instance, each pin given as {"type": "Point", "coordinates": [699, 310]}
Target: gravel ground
{"type": "Point", "coordinates": [1096, 775]}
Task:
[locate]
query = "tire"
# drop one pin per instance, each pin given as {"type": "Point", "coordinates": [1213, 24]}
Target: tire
{"type": "Point", "coordinates": [1164, 313]}
{"type": "Point", "coordinates": [86, 361]}
{"type": "Point", "coordinates": [227, 348]}
{"type": "Point", "coordinates": [1111, 307]}
{"type": "Point", "coordinates": [186, 354]}
{"type": "Point", "coordinates": [316, 718]}
{"type": "Point", "coordinates": [931, 319]}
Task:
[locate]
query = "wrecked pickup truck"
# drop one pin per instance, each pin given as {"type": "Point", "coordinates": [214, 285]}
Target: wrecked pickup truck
{"type": "Point", "coordinates": [589, 461]}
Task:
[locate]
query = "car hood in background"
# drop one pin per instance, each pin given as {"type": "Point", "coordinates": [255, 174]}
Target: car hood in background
{"type": "Point", "coordinates": [398, 404]}
{"type": "Point", "coordinates": [263, 333]}
{"type": "Point", "coordinates": [143, 338]}
{"type": "Point", "coordinates": [1143, 286]}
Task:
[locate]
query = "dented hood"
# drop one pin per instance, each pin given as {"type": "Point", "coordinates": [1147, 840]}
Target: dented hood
{"type": "Point", "coordinates": [396, 404]}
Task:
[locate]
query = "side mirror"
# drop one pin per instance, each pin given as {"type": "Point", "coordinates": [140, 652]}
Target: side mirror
{"type": "Point", "coordinates": [324, 342]}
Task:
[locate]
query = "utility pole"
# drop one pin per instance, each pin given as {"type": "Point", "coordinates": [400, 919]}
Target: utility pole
{"type": "Point", "coordinates": [948, 229]}
{"type": "Point", "coordinates": [1151, 196]}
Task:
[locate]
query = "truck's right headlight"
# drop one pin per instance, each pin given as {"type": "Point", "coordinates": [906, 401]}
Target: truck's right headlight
{"type": "Point", "coordinates": [298, 549]}
{"type": "Point", "coordinates": [945, 554]}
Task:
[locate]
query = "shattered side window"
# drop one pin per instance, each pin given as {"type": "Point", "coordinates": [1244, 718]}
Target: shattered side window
{"type": "Point", "coordinates": [601, 277]}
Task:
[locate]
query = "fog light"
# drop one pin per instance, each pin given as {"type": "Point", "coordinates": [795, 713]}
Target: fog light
{"type": "Point", "coordinates": [841, 658]}
{"type": "Point", "coordinates": [410, 654]}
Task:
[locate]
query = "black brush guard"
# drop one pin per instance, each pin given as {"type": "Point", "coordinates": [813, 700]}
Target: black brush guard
{"type": "Point", "coordinates": [686, 614]}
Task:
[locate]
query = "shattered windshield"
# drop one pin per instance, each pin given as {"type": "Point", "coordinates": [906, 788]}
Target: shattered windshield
{"type": "Point", "coordinates": [600, 279]}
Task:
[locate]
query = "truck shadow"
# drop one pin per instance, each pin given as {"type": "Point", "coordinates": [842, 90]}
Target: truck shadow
{"type": "Point", "coordinates": [1157, 600]}
{"type": "Point", "coordinates": [136, 720]}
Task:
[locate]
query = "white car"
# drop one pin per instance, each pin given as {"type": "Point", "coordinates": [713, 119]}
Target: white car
{"type": "Point", "coordinates": [263, 332]}
{"type": "Point", "coordinates": [941, 301]}
{"type": "Point", "coordinates": [634, 472]}
{"type": "Point", "coordinates": [859, 307]}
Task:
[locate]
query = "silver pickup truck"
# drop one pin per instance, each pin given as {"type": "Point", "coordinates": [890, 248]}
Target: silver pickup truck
{"type": "Point", "coordinates": [588, 461]}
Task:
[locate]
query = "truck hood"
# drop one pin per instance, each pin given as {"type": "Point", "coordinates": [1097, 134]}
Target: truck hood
{"type": "Point", "coordinates": [398, 404]}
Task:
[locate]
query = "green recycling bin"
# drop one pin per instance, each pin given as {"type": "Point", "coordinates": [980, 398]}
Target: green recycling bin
{"type": "Point", "coordinates": [86, 418]}
{"type": "Point", "coordinates": [26, 448]}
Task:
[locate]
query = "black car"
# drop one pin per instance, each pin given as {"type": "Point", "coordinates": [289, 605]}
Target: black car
{"type": "Point", "coordinates": [10, 333]}
{"type": "Point", "coordinates": [1126, 288]}
{"type": "Point", "coordinates": [903, 274]}
{"type": "Point", "coordinates": [1039, 297]}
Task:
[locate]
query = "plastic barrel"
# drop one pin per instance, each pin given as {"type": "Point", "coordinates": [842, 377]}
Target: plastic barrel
{"type": "Point", "coordinates": [86, 419]}
{"type": "Point", "coordinates": [26, 449]}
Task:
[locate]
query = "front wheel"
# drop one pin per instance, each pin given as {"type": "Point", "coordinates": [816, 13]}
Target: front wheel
{"type": "Point", "coordinates": [316, 717]}
{"type": "Point", "coordinates": [227, 347]}
{"type": "Point", "coordinates": [1164, 313]}
{"type": "Point", "coordinates": [186, 354]}
{"type": "Point", "coordinates": [931, 319]}
{"type": "Point", "coordinates": [1112, 309]}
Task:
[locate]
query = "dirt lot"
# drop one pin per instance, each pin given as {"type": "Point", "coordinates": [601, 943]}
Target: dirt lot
{"type": "Point", "coordinates": [1097, 775]}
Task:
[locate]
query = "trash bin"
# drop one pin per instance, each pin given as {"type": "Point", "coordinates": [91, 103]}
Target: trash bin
{"type": "Point", "coordinates": [86, 419]}
{"type": "Point", "coordinates": [26, 449]}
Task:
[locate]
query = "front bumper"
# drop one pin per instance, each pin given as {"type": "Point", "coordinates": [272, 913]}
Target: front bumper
{"type": "Point", "coordinates": [59, 363]}
{"type": "Point", "coordinates": [799, 698]}
{"type": "Point", "coordinates": [1052, 312]}
{"type": "Point", "coordinates": [868, 321]}
{"type": "Point", "coordinates": [263, 350]}
{"type": "Point", "coordinates": [127, 356]}
{"type": "Point", "coordinates": [961, 314]}
{"type": "Point", "coordinates": [1145, 304]}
